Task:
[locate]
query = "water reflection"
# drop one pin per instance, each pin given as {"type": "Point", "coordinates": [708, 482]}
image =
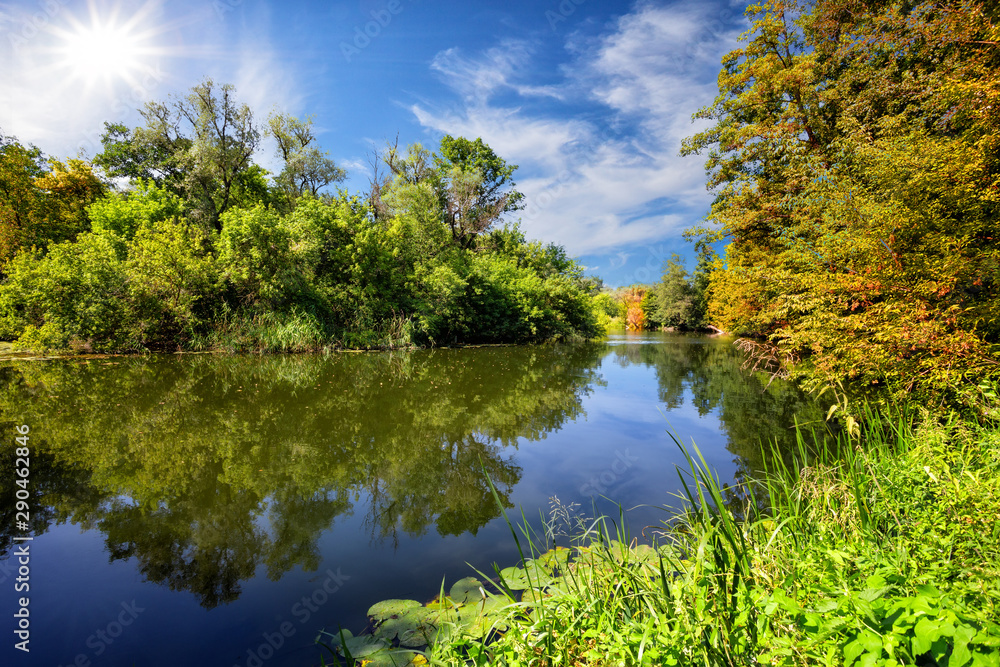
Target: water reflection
{"type": "Point", "coordinates": [754, 410]}
{"type": "Point", "coordinates": [203, 469]}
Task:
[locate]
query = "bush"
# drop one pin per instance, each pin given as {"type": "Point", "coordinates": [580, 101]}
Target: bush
{"type": "Point", "coordinates": [76, 296]}
{"type": "Point", "coordinates": [172, 281]}
{"type": "Point", "coordinates": [118, 217]}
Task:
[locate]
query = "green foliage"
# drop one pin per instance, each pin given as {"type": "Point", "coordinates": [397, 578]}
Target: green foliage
{"type": "Point", "coordinates": [515, 304]}
{"type": "Point", "coordinates": [307, 170]}
{"type": "Point", "coordinates": [74, 296]}
{"type": "Point", "coordinates": [473, 186]}
{"type": "Point", "coordinates": [264, 256]}
{"type": "Point", "coordinates": [854, 162]}
{"type": "Point", "coordinates": [119, 216]}
{"type": "Point", "coordinates": [199, 146]}
{"type": "Point", "coordinates": [605, 308]}
{"type": "Point", "coordinates": [674, 297]}
{"type": "Point", "coordinates": [892, 561]}
{"type": "Point", "coordinates": [880, 555]}
{"type": "Point", "coordinates": [171, 279]}
{"type": "Point", "coordinates": [218, 256]}
{"type": "Point", "coordinates": [21, 202]}
{"type": "Point", "coordinates": [41, 202]}
{"type": "Point", "coordinates": [479, 186]}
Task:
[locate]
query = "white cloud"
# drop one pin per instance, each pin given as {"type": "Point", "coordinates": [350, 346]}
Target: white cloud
{"type": "Point", "coordinates": [590, 188]}
{"type": "Point", "coordinates": [496, 69]}
{"type": "Point", "coordinates": [516, 137]}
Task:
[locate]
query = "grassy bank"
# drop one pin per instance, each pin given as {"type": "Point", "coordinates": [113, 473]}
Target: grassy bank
{"type": "Point", "coordinates": [883, 553]}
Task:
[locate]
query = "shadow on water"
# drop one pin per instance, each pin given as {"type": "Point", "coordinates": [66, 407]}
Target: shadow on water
{"type": "Point", "coordinates": [757, 413]}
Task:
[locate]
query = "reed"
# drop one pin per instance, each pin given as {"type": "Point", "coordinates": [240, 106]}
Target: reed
{"type": "Point", "coordinates": [878, 548]}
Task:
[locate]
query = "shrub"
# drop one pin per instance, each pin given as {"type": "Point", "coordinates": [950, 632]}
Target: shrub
{"type": "Point", "coordinates": [75, 296]}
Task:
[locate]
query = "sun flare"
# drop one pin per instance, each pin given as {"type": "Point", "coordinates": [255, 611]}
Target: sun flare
{"type": "Point", "coordinates": [103, 51]}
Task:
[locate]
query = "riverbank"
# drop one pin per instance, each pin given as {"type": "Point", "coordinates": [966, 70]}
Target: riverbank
{"type": "Point", "coordinates": [886, 553]}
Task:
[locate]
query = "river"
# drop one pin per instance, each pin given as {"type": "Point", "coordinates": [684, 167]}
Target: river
{"type": "Point", "coordinates": [222, 510]}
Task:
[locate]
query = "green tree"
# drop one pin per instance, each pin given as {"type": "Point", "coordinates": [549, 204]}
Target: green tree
{"type": "Point", "coordinates": [708, 264]}
{"type": "Point", "coordinates": [474, 185]}
{"type": "Point", "coordinates": [201, 146]}
{"type": "Point", "coordinates": [675, 296]}
{"type": "Point", "coordinates": [171, 281]}
{"type": "Point", "coordinates": [22, 203]}
{"type": "Point", "coordinates": [70, 188]}
{"type": "Point", "coordinates": [76, 296]}
{"type": "Point", "coordinates": [41, 202]}
{"type": "Point", "coordinates": [478, 184]}
{"type": "Point", "coordinates": [854, 163]}
{"type": "Point", "coordinates": [259, 253]}
{"type": "Point", "coordinates": [307, 170]}
{"type": "Point", "coordinates": [119, 216]}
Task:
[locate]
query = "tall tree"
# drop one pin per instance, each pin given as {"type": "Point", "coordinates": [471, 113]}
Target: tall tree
{"type": "Point", "coordinates": [674, 296]}
{"type": "Point", "coordinates": [21, 200]}
{"type": "Point", "coordinates": [308, 170]}
{"type": "Point", "coordinates": [40, 205]}
{"type": "Point", "coordinates": [472, 184]}
{"type": "Point", "coordinates": [478, 187]}
{"type": "Point", "coordinates": [201, 145]}
{"type": "Point", "coordinates": [855, 165]}
{"type": "Point", "coordinates": [70, 188]}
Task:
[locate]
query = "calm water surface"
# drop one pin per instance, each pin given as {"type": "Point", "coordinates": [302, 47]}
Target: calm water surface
{"type": "Point", "coordinates": [186, 508]}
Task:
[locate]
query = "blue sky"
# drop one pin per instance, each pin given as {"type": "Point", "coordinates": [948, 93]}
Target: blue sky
{"type": "Point", "coordinates": [591, 99]}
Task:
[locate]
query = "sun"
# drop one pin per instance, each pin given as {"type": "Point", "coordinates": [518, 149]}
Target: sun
{"type": "Point", "coordinates": [103, 51]}
{"type": "Point", "coordinates": [107, 46]}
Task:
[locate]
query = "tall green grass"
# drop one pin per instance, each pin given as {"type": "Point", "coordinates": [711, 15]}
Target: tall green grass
{"type": "Point", "coordinates": [881, 549]}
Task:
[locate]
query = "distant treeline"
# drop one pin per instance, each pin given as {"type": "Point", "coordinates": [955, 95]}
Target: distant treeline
{"type": "Point", "coordinates": [174, 238]}
{"type": "Point", "coordinates": [677, 302]}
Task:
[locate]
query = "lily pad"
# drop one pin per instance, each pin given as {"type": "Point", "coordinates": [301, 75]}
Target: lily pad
{"type": "Point", "coordinates": [492, 605]}
{"type": "Point", "coordinates": [418, 637]}
{"type": "Point", "coordinates": [536, 575]}
{"type": "Point", "coordinates": [407, 622]}
{"type": "Point", "coordinates": [364, 646]}
{"type": "Point", "coordinates": [389, 608]}
{"type": "Point", "coordinates": [393, 658]}
{"type": "Point", "coordinates": [466, 590]}
{"type": "Point", "coordinates": [514, 578]}
{"type": "Point", "coordinates": [439, 603]}
{"type": "Point", "coordinates": [554, 558]}
{"type": "Point", "coordinates": [334, 638]}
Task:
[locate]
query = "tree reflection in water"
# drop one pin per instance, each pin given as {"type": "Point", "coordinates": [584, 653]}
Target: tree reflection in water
{"type": "Point", "coordinates": [205, 468]}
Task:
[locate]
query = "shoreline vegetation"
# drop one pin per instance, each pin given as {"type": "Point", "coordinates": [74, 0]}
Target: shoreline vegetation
{"type": "Point", "coordinates": [879, 550]}
{"type": "Point", "coordinates": [203, 250]}
{"type": "Point", "coordinates": [855, 160]}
